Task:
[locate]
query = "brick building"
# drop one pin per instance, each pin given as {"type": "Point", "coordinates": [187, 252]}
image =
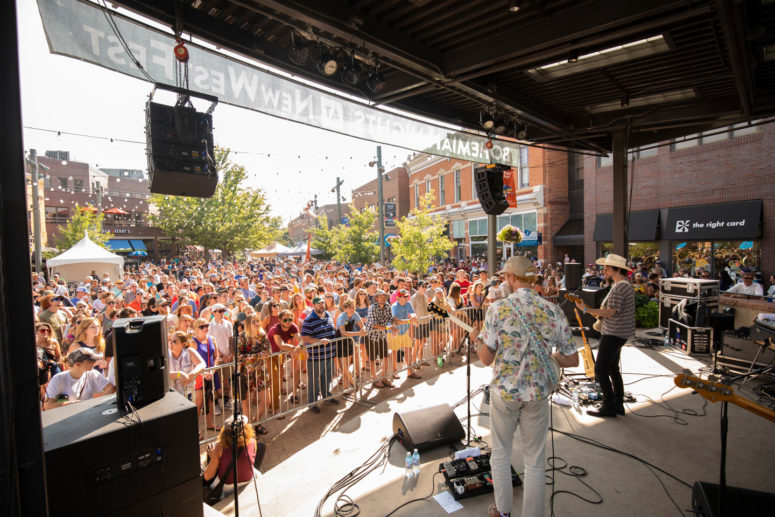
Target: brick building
{"type": "Point", "coordinates": [696, 203]}
{"type": "Point", "coordinates": [68, 183]}
{"type": "Point", "coordinates": [542, 202]}
{"type": "Point", "coordinates": [395, 190]}
{"type": "Point", "coordinates": [299, 227]}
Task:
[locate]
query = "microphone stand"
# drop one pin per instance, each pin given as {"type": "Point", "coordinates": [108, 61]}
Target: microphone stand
{"type": "Point", "coordinates": [236, 419]}
{"type": "Point", "coordinates": [468, 370]}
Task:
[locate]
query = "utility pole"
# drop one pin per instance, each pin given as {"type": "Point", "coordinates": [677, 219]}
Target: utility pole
{"type": "Point", "coordinates": [97, 187]}
{"type": "Point", "coordinates": [33, 161]}
{"type": "Point", "coordinates": [338, 200]}
{"type": "Point", "coordinates": [380, 170]}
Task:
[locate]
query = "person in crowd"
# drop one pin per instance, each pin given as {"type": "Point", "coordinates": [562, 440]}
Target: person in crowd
{"type": "Point", "coordinates": [456, 301]}
{"type": "Point", "coordinates": [208, 383]}
{"type": "Point", "coordinates": [746, 288]}
{"type": "Point", "coordinates": [618, 314]}
{"type": "Point", "coordinates": [185, 363]}
{"type": "Point", "coordinates": [350, 327]}
{"type": "Point", "coordinates": [725, 280]}
{"type": "Point", "coordinates": [637, 284]}
{"type": "Point", "coordinates": [285, 337]}
{"type": "Point", "coordinates": [270, 315]}
{"type": "Point", "coordinates": [591, 278]}
{"type": "Point", "coordinates": [257, 375]}
{"type": "Point", "coordinates": [362, 304]}
{"type": "Point", "coordinates": [400, 339]}
{"type": "Point", "coordinates": [422, 331]}
{"type": "Point", "coordinates": [52, 313]}
{"type": "Point", "coordinates": [87, 334]}
{"type": "Point", "coordinates": [221, 331]}
{"type": "Point", "coordinates": [550, 289]}
{"type": "Point", "coordinates": [520, 387]}
{"type": "Point", "coordinates": [49, 354]}
{"type": "Point", "coordinates": [538, 286]}
{"type": "Point", "coordinates": [378, 321]}
{"type": "Point", "coordinates": [439, 327]}
{"type": "Point", "coordinates": [318, 331]}
{"type": "Point", "coordinates": [219, 454]}
{"type": "Point", "coordinates": [771, 290]}
{"type": "Point", "coordinates": [652, 287]}
{"type": "Point", "coordinates": [80, 382]}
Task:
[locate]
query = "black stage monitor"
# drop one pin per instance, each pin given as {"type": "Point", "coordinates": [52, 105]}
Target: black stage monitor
{"type": "Point", "coordinates": [140, 353]}
{"type": "Point", "coordinates": [102, 462]}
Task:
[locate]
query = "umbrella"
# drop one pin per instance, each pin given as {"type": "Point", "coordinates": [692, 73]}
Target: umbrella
{"type": "Point", "coordinates": [115, 211]}
{"type": "Point", "coordinates": [138, 253]}
{"type": "Point", "coordinates": [88, 209]}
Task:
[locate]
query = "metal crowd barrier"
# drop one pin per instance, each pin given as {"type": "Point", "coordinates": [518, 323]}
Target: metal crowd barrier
{"type": "Point", "coordinates": [276, 385]}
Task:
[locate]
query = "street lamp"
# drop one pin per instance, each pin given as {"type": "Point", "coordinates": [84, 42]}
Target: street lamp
{"type": "Point", "coordinates": [380, 171]}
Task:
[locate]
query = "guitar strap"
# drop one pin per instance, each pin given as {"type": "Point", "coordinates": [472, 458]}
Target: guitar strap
{"type": "Point", "coordinates": [540, 351]}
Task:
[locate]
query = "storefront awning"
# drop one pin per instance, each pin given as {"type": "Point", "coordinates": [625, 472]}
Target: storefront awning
{"type": "Point", "coordinates": [119, 245]}
{"type": "Point", "coordinates": [138, 245]}
{"type": "Point", "coordinates": [715, 222]}
{"type": "Point", "coordinates": [571, 233]}
{"type": "Point", "coordinates": [643, 226]}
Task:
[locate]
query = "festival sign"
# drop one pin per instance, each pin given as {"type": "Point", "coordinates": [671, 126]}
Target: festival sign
{"type": "Point", "coordinates": [81, 30]}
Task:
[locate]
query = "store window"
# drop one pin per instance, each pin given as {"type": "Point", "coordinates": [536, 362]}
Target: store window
{"type": "Point", "coordinates": [736, 256]}
{"type": "Point", "coordinates": [458, 194]}
{"type": "Point", "coordinates": [646, 253]}
{"type": "Point", "coordinates": [459, 229]}
{"type": "Point", "coordinates": [691, 256]}
{"type": "Point", "coordinates": [477, 227]}
{"type": "Point", "coordinates": [417, 196]}
{"type": "Point", "coordinates": [442, 195]}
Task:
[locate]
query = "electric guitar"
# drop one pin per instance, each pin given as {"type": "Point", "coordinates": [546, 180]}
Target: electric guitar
{"type": "Point", "coordinates": [443, 313]}
{"type": "Point", "coordinates": [598, 325]}
{"type": "Point", "coordinates": [717, 392]}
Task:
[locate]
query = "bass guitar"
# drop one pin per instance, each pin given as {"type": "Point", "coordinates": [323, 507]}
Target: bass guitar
{"type": "Point", "coordinates": [586, 352]}
{"type": "Point", "coordinates": [717, 392]}
{"type": "Point", "coordinates": [598, 325]}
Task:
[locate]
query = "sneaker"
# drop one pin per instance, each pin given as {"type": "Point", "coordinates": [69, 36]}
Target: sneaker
{"type": "Point", "coordinates": [333, 401]}
{"type": "Point", "coordinates": [217, 410]}
{"type": "Point", "coordinates": [228, 404]}
{"type": "Point", "coordinates": [314, 409]}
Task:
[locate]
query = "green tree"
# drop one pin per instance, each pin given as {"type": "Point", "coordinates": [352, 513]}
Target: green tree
{"type": "Point", "coordinates": [285, 238]}
{"type": "Point", "coordinates": [235, 218]}
{"type": "Point", "coordinates": [86, 219]}
{"type": "Point", "coordinates": [422, 238]}
{"type": "Point", "coordinates": [358, 243]}
{"type": "Point", "coordinates": [325, 239]}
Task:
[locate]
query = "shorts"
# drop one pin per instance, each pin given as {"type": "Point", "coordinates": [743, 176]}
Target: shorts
{"type": "Point", "coordinates": [208, 394]}
{"type": "Point", "coordinates": [399, 341]}
{"type": "Point", "coordinates": [376, 346]}
{"type": "Point", "coordinates": [422, 331]}
{"type": "Point", "coordinates": [216, 378]}
{"type": "Point", "coordinates": [344, 347]}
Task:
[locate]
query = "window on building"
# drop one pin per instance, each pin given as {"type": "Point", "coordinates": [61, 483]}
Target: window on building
{"type": "Point", "coordinates": [442, 197]}
{"type": "Point", "coordinates": [457, 186]}
{"type": "Point", "coordinates": [57, 214]}
{"type": "Point", "coordinates": [459, 229]}
{"type": "Point", "coordinates": [427, 186]}
{"type": "Point", "coordinates": [604, 161]}
{"type": "Point", "coordinates": [62, 182]}
{"type": "Point", "coordinates": [503, 220]}
{"type": "Point", "coordinates": [77, 185]}
{"type": "Point", "coordinates": [524, 168]}
{"type": "Point", "coordinates": [391, 199]}
{"type": "Point", "coordinates": [477, 227]}
{"type": "Point", "coordinates": [138, 217]}
{"type": "Point", "coordinates": [687, 142]}
{"type": "Point", "coordinates": [474, 192]}
{"type": "Point", "coordinates": [417, 195]}
{"type": "Point", "coordinates": [524, 221]}
{"type": "Point", "coordinates": [47, 182]}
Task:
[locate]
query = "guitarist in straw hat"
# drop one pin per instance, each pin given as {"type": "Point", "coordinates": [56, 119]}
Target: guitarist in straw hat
{"type": "Point", "coordinates": [517, 338]}
{"type": "Point", "coordinates": [618, 316]}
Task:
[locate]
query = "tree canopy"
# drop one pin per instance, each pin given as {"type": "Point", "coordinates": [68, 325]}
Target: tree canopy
{"type": "Point", "coordinates": [324, 238]}
{"type": "Point", "coordinates": [422, 238]}
{"type": "Point", "coordinates": [85, 219]}
{"type": "Point", "coordinates": [235, 218]}
{"type": "Point", "coordinates": [358, 242]}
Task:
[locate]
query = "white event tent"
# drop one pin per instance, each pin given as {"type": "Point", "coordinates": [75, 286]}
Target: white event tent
{"type": "Point", "coordinates": [272, 250]}
{"type": "Point", "coordinates": [84, 258]}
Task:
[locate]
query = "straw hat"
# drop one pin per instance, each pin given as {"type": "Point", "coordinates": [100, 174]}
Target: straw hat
{"type": "Point", "coordinates": [613, 260]}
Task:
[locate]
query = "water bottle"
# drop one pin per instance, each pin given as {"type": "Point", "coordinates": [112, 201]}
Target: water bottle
{"type": "Point", "coordinates": [667, 339]}
{"type": "Point", "coordinates": [415, 463]}
{"type": "Point", "coordinates": [408, 471]}
{"type": "Point", "coordinates": [576, 397]}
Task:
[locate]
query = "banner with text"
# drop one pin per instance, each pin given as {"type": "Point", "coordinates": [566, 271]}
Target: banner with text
{"type": "Point", "coordinates": [81, 30]}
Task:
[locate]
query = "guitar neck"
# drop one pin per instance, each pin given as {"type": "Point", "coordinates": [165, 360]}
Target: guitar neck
{"type": "Point", "coordinates": [753, 407]}
{"type": "Point", "coordinates": [460, 323]}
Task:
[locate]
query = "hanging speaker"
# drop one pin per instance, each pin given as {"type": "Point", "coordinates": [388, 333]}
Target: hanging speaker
{"type": "Point", "coordinates": [489, 188]}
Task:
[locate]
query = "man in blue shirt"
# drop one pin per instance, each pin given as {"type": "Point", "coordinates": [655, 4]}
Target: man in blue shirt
{"type": "Point", "coordinates": [318, 329]}
{"type": "Point", "coordinates": [399, 339]}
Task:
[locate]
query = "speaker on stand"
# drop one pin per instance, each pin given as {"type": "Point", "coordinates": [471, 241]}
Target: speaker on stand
{"type": "Point", "coordinates": [573, 275]}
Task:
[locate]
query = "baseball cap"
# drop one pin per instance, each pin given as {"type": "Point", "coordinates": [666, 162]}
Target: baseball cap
{"type": "Point", "coordinates": [380, 292]}
{"type": "Point", "coordinates": [403, 292]}
{"type": "Point", "coordinates": [218, 307]}
{"type": "Point", "coordinates": [317, 299]}
{"type": "Point", "coordinates": [83, 354]}
{"type": "Point", "coordinates": [82, 290]}
{"type": "Point", "coordinates": [519, 266]}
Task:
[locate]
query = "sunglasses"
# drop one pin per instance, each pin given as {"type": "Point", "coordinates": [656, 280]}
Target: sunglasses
{"type": "Point", "coordinates": [203, 326]}
{"type": "Point", "coordinates": [286, 320]}
{"type": "Point", "coordinates": [44, 331]}
{"type": "Point", "coordinates": [220, 310]}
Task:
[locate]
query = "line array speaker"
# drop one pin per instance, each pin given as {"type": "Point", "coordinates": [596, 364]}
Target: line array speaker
{"type": "Point", "coordinates": [489, 188]}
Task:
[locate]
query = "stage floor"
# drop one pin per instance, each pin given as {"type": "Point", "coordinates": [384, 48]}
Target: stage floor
{"type": "Point", "coordinates": [343, 437]}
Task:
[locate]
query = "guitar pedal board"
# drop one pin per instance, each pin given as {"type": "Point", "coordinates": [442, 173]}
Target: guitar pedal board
{"type": "Point", "coordinates": [467, 477]}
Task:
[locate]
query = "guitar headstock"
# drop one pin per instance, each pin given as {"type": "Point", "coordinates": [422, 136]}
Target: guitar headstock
{"type": "Point", "coordinates": [713, 391]}
{"type": "Point", "coordinates": [574, 299]}
{"type": "Point", "coordinates": [438, 311]}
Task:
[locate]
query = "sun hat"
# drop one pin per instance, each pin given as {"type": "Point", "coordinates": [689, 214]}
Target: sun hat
{"type": "Point", "coordinates": [613, 260]}
{"type": "Point", "coordinates": [519, 266]}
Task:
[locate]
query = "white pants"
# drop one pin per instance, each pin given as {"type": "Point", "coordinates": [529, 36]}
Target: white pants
{"type": "Point", "coordinates": [533, 421]}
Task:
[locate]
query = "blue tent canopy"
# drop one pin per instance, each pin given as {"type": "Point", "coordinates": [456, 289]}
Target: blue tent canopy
{"type": "Point", "coordinates": [120, 245]}
{"type": "Point", "coordinates": [138, 245]}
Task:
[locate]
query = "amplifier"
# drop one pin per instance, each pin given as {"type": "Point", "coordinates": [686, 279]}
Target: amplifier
{"type": "Point", "coordinates": [140, 352]}
{"type": "Point", "coordinates": [467, 477]}
{"type": "Point", "coordinates": [736, 346]}
{"type": "Point", "coordinates": [592, 297]}
{"type": "Point", "coordinates": [102, 462]}
{"type": "Point", "coordinates": [690, 340]}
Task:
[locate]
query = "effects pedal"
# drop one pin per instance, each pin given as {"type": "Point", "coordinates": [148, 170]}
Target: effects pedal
{"type": "Point", "coordinates": [471, 476]}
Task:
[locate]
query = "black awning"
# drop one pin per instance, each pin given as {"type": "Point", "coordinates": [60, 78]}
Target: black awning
{"type": "Point", "coordinates": [720, 221]}
{"type": "Point", "coordinates": [571, 233]}
{"type": "Point", "coordinates": [643, 226]}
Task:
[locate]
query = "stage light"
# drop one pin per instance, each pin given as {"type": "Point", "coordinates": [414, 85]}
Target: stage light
{"type": "Point", "coordinates": [298, 54]}
{"type": "Point", "coordinates": [376, 81]}
{"type": "Point", "coordinates": [326, 63]}
{"type": "Point", "coordinates": [515, 6]}
{"type": "Point", "coordinates": [351, 73]}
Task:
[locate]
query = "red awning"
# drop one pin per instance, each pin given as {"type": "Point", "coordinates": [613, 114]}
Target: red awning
{"type": "Point", "coordinates": [115, 211]}
{"type": "Point", "coordinates": [88, 209]}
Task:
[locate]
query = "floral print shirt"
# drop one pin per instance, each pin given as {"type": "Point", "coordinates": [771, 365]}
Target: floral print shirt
{"type": "Point", "coordinates": [519, 370]}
